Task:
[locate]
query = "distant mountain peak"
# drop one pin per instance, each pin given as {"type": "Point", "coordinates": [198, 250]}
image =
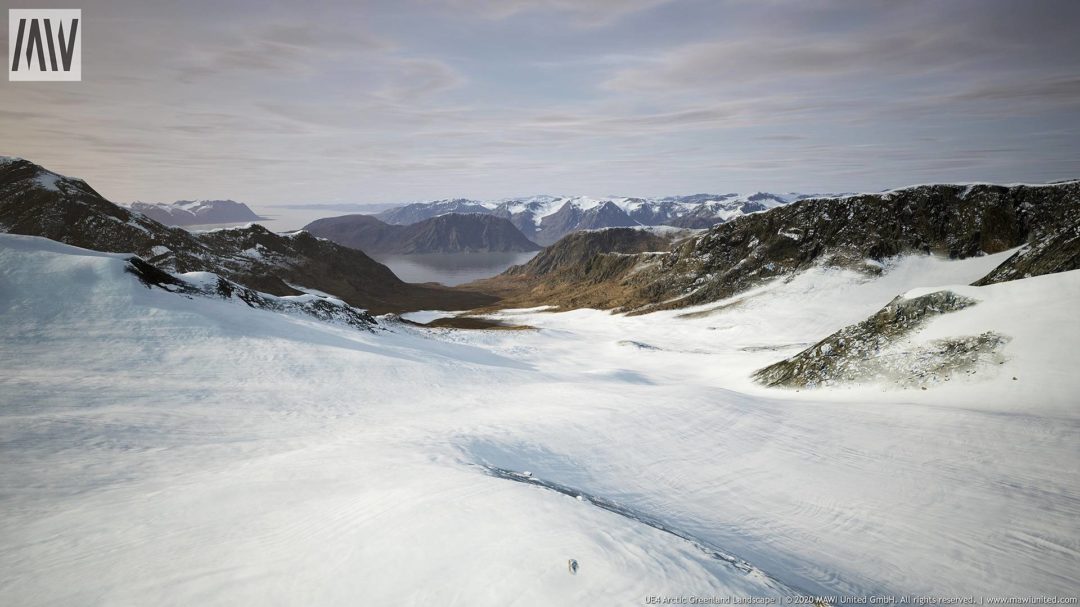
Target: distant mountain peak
{"type": "Point", "coordinates": [196, 212]}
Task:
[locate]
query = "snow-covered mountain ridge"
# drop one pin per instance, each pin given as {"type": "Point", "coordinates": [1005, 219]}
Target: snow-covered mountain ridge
{"type": "Point", "coordinates": [545, 219]}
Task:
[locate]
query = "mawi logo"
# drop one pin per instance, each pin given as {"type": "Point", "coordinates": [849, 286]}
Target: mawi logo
{"type": "Point", "coordinates": [45, 44]}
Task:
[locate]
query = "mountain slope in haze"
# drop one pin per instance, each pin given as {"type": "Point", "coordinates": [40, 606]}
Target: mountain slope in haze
{"type": "Point", "coordinates": [579, 267]}
{"type": "Point", "coordinates": [38, 202]}
{"type": "Point", "coordinates": [578, 249]}
{"type": "Point", "coordinates": [419, 211]}
{"type": "Point", "coordinates": [449, 233]}
{"type": "Point", "coordinates": [196, 212]}
{"type": "Point", "coordinates": [852, 231]}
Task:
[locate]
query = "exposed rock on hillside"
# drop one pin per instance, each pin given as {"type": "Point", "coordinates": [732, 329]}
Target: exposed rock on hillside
{"type": "Point", "coordinates": [875, 350]}
{"type": "Point", "coordinates": [211, 285]}
{"type": "Point", "coordinates": [956, 221]}
{"type": "Point", "coordinates": [1058, 252]}
{"type": "Point", "coordinates": [581, 267]}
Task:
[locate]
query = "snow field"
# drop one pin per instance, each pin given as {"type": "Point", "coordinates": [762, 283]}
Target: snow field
{"type": "Point", "coordinates": [165, 450]}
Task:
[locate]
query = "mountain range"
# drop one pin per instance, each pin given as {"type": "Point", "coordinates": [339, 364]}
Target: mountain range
{"type": "Point", "coordinates": [540, 219]}
{"type": "Point", "coordinates": [636, 270]}
{"type": "Point", "coordinates": [545, 219]}
{"type": "Point", "coordinates": [448, 233]}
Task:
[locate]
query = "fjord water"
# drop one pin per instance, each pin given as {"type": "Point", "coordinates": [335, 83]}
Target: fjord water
{"type": "Point", "coordinates": [451, 269]}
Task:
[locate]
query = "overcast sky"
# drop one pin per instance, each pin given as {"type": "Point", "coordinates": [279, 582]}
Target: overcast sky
{"type": "Point", "coordinates": [373, 102]}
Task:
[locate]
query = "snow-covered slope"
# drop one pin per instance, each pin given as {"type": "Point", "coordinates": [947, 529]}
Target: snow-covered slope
{"type": "Point", "coordinates": [164, 450]}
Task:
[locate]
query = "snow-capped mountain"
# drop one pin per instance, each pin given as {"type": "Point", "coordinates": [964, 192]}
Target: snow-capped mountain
{"type": "Point", "coordinates": [545, 219]}
{"type": "Point", "coordinates": [419, 211]}
{"type": "Point", "coordinates": [196, 212]}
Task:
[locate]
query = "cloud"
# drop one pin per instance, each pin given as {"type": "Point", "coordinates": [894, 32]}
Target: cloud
{"type": "Point", "coordinates": [284, 48]}
{"type": "Point", "coordinates": [826, 61]}
{"type": "Point", "coordinates": [729, 64]}
{"type": "Point", "coordinates": [582, 12]}
{"type": "Point", "coordinates": [410, 79]}
{"type": "Point", "coordinates": [1064, 91]}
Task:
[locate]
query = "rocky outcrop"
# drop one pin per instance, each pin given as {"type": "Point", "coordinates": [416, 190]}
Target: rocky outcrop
{"type": "Point", "coordinates": [1058, 252]}
{"type": "Point", "coordinates": [450, 233]}
{"type": "Point", "coordinates": [319, 307]}
{"type": "Point", "coordinates": [875, 351]}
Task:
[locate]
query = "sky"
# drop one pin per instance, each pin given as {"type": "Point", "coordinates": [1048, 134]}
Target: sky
{"type": "Point", "coordinates": [405, 100]}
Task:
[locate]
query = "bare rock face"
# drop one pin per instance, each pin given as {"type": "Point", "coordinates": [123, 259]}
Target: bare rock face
{"type": "Point", "coordinates": [1058, 252]}
{"type": "Point", "coordinates": [318, 307]}
{"type": "Point", "coordinates": [875, 349]}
